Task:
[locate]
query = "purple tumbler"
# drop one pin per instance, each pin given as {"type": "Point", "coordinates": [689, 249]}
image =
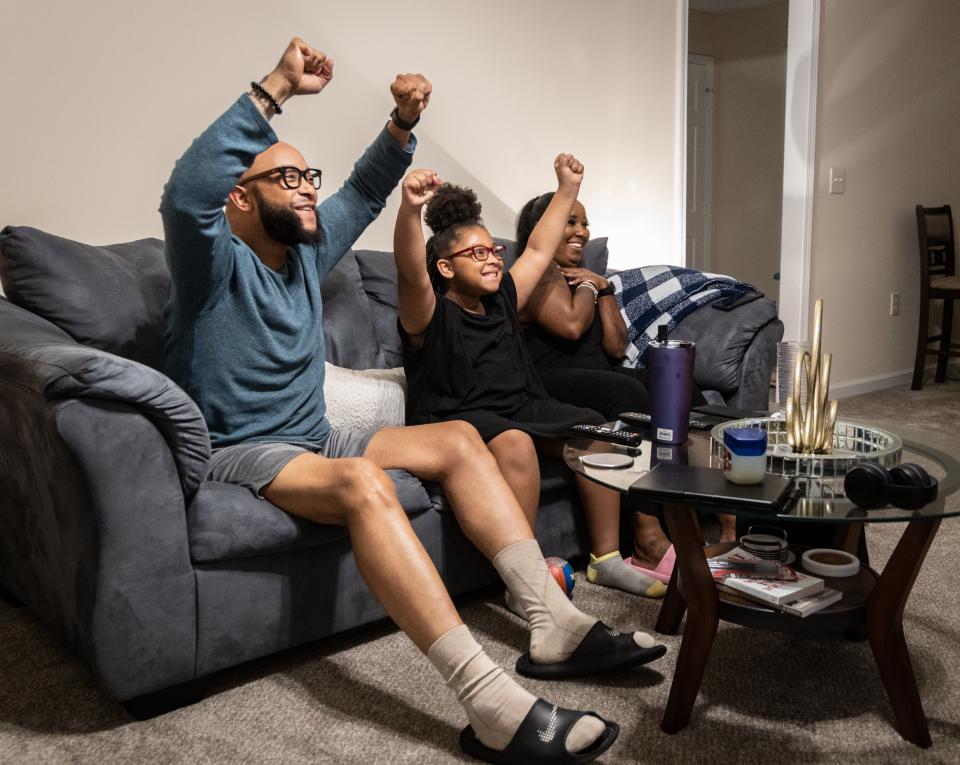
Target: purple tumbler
{"type": "Point", "coordinates": [670, 363]}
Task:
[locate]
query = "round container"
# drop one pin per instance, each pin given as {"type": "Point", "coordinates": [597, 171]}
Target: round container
{"type": "Point", "coordinates": [744, 455]}
{"type": "Point", "coordinates": [826, 562]}
{"type": "Point", "coordinates": [765, 546]}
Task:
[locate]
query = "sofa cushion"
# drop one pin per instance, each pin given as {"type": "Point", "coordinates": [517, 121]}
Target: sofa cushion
{"type": "Point", "coordinates": [348, 329]}
{"type": "Point", "coordinates": [225, 522]}
{"type": "Point", "coordinates": [109, 297]}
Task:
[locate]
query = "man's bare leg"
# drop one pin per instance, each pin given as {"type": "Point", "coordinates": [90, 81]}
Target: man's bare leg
{"type": "Point", "coordinates": [453, 454]}
{"type": "Point", "coordinates": [489, 514]}
{"type": "Point", "coordinates": [355, 493]}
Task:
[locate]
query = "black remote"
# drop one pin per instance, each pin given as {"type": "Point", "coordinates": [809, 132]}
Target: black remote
{"type": "Point", "coordinates": [635, 418]}
{"type": "Point", "coordinates": [603, 433]}
{"type": "Point", "coordinates": [640, 419]}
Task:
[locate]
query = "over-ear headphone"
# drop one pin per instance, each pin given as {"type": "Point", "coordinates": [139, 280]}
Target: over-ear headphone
{"type": "Point", "coordinates": [907, 485]}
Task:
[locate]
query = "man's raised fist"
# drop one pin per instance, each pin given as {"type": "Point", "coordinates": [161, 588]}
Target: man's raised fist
{"type": "Point", "coordinates": [412, 94]}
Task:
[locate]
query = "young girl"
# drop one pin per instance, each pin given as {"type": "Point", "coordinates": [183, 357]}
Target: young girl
{"type": "Point", "coordinates": [464, 353]}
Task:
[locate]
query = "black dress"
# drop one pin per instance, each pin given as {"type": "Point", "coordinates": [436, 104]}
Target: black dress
{"type": "Point", "coordinates": [476, 368]}
{"type": "Point", "coordinates": [579, 372]}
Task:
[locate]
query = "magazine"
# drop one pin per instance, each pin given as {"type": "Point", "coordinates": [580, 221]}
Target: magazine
{"type": "Point", "coordinates": [739, 564]}
{"type": "Point", "coordinates": [801, 607]}
{"type": "Point", "coordinates": [792, 586]}
{"type": "Point", "coordinates": [813, 603]}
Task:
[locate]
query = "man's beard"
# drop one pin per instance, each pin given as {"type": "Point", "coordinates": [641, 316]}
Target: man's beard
{"type": "Point", "coordinates": [284, 225]}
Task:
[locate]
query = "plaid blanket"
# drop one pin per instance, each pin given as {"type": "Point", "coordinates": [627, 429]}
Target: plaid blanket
{"type": "Point", "coordinates": [655, 295]}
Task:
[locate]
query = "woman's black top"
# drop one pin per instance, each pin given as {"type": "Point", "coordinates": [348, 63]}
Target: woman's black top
{"type": "Point", "coordinates": [550, 352]}
{"type": "Point", "coordinates": [476, 368]}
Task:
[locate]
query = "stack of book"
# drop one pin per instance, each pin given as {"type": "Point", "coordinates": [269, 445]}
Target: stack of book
{"type": "Point", "coordinates": [771, 583]}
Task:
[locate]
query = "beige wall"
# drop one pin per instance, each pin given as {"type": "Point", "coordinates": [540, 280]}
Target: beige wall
{"type": "Point", "coordinates": [101, 98]}
{"type": "Point", "coordinates": [750, 85]}
{"type": "Point", "coordinates": [888, 111]}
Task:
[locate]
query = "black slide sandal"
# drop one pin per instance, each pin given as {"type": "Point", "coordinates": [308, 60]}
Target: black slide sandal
{"type": "Point", "coordinates": [541, 737]}
{"type": "Point", "coordinates": [601, 650]}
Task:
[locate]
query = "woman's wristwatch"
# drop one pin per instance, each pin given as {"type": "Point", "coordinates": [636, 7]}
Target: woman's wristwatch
{"type": "Point", "coordinates": [608, 290]}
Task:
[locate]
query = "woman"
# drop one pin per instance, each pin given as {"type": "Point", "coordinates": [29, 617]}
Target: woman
{"type": "Point", "coordinates": [464, 353]}
{"type": "Point", "coordinates": [575, 336]}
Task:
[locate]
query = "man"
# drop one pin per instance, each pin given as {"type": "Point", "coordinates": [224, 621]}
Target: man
{"type": "Point", "coordinates": [245, 341]}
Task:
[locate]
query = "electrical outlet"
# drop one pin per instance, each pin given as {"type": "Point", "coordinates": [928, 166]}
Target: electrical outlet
{"type": "Point", "coordinates": [894, 303]}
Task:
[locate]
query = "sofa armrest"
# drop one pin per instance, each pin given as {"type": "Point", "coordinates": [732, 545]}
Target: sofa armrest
{"type": "Point", "coordinates": [724, 340]}
{"type": "Point", "coordinates": [35, 354]}
{"type": "Point", "coordinates": [759, 360]}
{"type": "Point", "coordinates": [95, 538]}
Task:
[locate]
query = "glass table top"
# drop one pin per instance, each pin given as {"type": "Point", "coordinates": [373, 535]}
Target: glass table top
{"type": "Point", "coordinates": [818, 500]}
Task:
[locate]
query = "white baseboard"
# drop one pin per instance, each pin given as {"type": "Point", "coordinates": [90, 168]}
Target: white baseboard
{"type": "Point", "coordinates": [870, 384]}
{"type": "Point", "coordinates": [888, 380]}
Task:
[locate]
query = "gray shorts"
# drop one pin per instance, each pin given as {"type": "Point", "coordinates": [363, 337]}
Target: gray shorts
{"type": "Point", "coordinates": [254, 465]}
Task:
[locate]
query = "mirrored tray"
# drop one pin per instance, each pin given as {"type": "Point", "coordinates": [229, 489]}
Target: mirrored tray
{"type": "Point", "coordinates": [852, 443]}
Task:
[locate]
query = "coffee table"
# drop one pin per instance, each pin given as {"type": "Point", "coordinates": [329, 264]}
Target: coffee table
{"type": "Point", "coordinates": [872, 604]}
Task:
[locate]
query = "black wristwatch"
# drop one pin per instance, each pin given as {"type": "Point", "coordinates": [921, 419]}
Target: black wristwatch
{"type": "Point", "coordinates": [399, 122]}
{"type": "Point", "coordinates": [608, 290]}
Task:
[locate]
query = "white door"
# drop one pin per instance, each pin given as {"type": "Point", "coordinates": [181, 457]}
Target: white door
{"type": "Point", "coordinates": [699, 160]}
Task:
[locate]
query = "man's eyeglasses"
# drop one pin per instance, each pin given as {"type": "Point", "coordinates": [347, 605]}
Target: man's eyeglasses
{"type": "Point", "coordinates": [290, 177]}
{"type": "Point", "coordinates": [481, 252]}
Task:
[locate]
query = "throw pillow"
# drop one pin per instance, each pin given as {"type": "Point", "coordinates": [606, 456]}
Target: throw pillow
{"type": "Point", "coordinates": [348, 330]}
{"type": "Point", "coordinates": [379, 274]}
{"type": "Point", "coordinates": [111, 297]}
{"type": "Point", "coordinates": [362, 399]}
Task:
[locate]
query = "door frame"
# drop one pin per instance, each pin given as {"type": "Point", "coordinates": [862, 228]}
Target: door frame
{"type": "Point", "coordinates": [800, 119]}
{"type": "Point", "coordinates": [707, 170]}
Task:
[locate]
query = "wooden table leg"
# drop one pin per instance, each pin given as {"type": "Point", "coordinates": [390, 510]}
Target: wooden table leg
{"type": "Point", "coordinates": [885, 629]}
{"type": "Point", "coordinates": [672, 607]}
{"type": "Point", "coordinates": [846, 537]}
{"type": "Point", "coordinates": [703, 606]}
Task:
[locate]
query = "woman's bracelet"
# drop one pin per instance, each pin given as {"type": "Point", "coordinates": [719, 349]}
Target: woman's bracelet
{"type": "Point", "coordinates": [590, 286]}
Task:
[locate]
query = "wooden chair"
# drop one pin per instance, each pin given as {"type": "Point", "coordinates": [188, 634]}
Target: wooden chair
{"type": "Point", "coordinates": [938, 281]}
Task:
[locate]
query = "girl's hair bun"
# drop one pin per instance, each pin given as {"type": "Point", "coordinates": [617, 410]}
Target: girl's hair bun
{"type": "Point", "coordinates": [452, 206]}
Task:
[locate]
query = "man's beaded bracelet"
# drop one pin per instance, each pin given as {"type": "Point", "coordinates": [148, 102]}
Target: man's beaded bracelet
{"type": "Point", "coordinates": [400, 122]}
{"type": "Point", "coordinates": [262, 92]}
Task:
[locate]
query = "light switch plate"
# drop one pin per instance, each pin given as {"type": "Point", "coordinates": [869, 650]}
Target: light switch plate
{"type": "Point", "coordinates": [838, 180]}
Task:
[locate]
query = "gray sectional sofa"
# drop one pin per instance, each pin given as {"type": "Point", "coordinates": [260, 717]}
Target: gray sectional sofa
{"type": "Point", "coordinates": [109, 531]}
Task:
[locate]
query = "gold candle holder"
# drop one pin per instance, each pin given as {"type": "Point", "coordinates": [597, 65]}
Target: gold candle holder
{"type": "Point", "coordinates": [810, 428]}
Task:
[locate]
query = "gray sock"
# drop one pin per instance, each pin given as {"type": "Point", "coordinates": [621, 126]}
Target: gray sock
{"type": "Point", "coordinates": [513, 606]}
{"type": "Point", "coordinates": [495, 704]}
{"type": "Point", "coordinates": [611, 570]}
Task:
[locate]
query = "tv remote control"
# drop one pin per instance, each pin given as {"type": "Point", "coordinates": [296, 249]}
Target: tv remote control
{"type": "Point", "coordinates": [636, 418]}
{"type": "Point", "coordinates": [603, 433]}
{"type": "Point", "coordinates": [640, 419]}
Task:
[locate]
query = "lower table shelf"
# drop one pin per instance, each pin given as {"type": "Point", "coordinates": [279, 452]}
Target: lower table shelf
{"type": "Point", "coordinates": [847, 613]}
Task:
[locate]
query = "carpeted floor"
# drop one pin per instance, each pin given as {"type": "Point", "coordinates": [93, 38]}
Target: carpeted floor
{"type": "Point", "coordinates": [371, 697]}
